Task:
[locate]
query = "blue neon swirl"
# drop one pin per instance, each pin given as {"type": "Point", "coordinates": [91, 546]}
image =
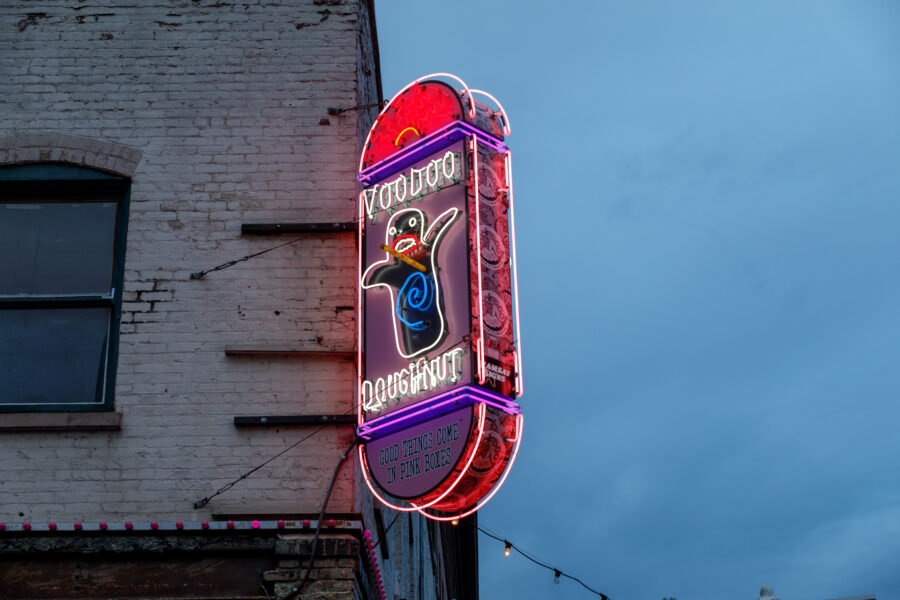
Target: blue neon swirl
{"type": "Point", "coordinates": [417, 294]}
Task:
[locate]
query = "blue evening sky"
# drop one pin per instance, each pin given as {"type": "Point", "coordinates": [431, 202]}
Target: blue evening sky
{"type": "Point", "coordinates": [708, 203]}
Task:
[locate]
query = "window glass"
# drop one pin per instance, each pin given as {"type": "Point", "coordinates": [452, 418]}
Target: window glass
{"type": "Point", "coordinates": [53, 355]}
{"type": "Point", "coordinates": [56, 248]}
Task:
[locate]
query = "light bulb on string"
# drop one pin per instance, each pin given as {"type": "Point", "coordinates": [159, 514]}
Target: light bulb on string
{"type": "Point", "coordinates": [506, 550]}
{"type": "Point", "coordinates": [454, 522]}
{"type": "Point", "coordinates": [556, 575]}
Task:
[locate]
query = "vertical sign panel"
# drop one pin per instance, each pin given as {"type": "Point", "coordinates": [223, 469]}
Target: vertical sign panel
{"type": "Point", "coordinates": [439, 358]}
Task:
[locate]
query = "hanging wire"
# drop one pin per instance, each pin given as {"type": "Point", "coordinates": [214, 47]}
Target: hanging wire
{"type": "Point", "coordinates": [386, 529]}
{"type": "Point", "coordinates": [231, 263]}
{"type": "Point", "coordinates": [315, 544]}
{"type": "Point", "coordinates": [556, 572]}
{"type": "Point", "coordinates": [337, 111]}
{"type": "Point", "coordinates": [205, 500]}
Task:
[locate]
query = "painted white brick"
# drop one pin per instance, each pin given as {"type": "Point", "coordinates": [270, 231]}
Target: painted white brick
{"type": "Point", "coordinates": [216, 115]}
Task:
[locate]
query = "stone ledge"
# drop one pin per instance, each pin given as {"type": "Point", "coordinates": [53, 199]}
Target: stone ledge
{"type": "Point", "coordinates": [62, 421]}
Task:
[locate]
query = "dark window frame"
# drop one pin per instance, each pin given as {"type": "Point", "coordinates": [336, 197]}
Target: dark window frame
{"type": "Point", "coordinates": [54, 182]}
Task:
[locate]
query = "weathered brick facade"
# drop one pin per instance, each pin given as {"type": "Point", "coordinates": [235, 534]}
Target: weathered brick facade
{"type": "Point", "coordinates": [218, 112]}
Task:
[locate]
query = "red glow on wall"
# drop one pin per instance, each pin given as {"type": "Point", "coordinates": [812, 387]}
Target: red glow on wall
{"type": "Point", "coordinates": [420, 110]}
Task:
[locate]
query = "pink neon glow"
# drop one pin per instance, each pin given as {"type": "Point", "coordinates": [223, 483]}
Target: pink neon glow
{"type": "Point", "coordinates": [520, 422]}
{"type": "Point", "coordinates": [482, 417]}
{"type": "Point", "coordinates": [360, 418]}
{"type": "Point", "coordinates": [459, 81]}
{"type": "Point", "coordinates": [368, 479]}
{"type": "Point", "coordinates": [506, 128]}
{"type": "Point", "coordinates": [406, 87]}
{"type": "Point", "coordinates": [520, 382]}
{"type": "Point", "coordinates": [479, 344]}
{"type": "Point", "coordinates": [431, 405]}
{"type": "Point", "coordinates": [474, 447]}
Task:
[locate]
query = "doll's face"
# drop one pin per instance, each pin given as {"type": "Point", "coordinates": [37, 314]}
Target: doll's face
{"type": "Point", "coordinates": [405, 231]}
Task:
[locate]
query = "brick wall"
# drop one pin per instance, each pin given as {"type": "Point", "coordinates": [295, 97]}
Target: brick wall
{"type": "Point", "coordinates": [218, 111]}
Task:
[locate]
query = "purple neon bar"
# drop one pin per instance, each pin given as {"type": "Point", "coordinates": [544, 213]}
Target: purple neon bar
{"type": "Point", "coordinates": [434, 407]}
{"type": "Point", "coordinates": [441, 138]}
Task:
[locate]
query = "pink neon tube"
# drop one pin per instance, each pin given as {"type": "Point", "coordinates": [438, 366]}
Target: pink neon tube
{"type": "Point", "coordinates": [409, 85]}
{"type": "Point", "coordinates": [367, 478]}
{"type": "Point", "coordinates": [360, 419]}
{"type": "Point", "coordinates": [520, 381]}
{"type": "Point", "coordinates": [506, 127]}
{"type": "Point", "coordinates": [459, 81]}
{"type": "Point", "coordinates": [520, 423]}
{"type": "Point", "coordinates": [480, 344]}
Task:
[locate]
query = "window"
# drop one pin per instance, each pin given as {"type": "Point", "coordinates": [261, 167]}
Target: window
{"type": "Point", "coordinates": [62, 254]}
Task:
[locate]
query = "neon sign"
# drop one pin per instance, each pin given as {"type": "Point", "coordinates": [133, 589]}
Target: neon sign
{"type": "Point", "coordinates": [433, 177]}
{"type": "Point", "coordinates": [439, 348]}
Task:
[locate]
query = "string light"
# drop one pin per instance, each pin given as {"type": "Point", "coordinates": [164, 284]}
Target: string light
{"type": "Point", "coordinates": [557, 573]}
{"type": "Point", "coordinates": [454, 522]}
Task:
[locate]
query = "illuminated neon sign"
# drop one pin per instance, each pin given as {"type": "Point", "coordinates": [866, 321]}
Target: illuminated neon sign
{"type": "Point", "coordinates": [439, 349]}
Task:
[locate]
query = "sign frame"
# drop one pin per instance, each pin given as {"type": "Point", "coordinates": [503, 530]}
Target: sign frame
{"type": "Point", "coordinates": [455, 481]}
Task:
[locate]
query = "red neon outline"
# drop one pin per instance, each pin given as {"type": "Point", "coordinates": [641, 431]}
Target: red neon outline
{"type": "Point", "coordinates": [479, 345]}
{"type": "Point", "coordinates": [367, 477]}
{"type": "Point", "coordinates": [409, 85]}
{"type": "Point", "coordinates": [417, 246]}
{"type": "Point", "coordinates": [520, 426]}
{"type": "Point", "coordinates": [520, 381]}
{"type": "Point", "coordinates": [459, 81]}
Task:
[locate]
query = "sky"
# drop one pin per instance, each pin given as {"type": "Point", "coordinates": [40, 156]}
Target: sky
{"type": "Point", "coordinates": [708, 208]}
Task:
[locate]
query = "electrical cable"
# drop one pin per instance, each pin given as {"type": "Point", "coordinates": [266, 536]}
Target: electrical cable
{"type": "Point", "coordinates": [386, 529]}
{"type": "Point", "coordinates": [556, 572]}
{"type": "Point", "coordinates": [337, 111]}
{"type": "Point", "coordinates": [315, 543]}
{"type": "Point", "coordinates": [205, 500]}
{"type": "Point", "coordinates": [231, 263]}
